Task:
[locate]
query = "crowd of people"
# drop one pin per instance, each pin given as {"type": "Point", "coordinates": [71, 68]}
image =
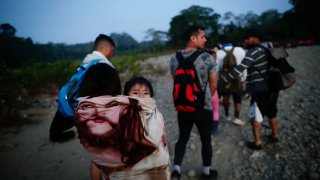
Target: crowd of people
{"type": "Point", "coordinates": [124, 132]}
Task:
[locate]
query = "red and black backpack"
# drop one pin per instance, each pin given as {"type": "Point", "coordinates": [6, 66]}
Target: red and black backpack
{"type": "Point", "coordinates": [187, 94]}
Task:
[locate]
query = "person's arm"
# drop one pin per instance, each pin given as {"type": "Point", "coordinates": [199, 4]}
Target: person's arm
{"type": "Point", "coordinates": [95, 172]}
{"type": "Point", "coordinates": [173, 65]}
{"type": "Point", "coordinates": [213, 82]}
{"type": "Point", "coordinates": [237, 71]}
{"type": "Point", "coordinates": [213, 74]}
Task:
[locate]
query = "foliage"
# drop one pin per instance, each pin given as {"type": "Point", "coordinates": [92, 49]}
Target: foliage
{"type": "Point", "coordinates": [129, 65]}
{"type": "Point", "coordinates": [124, 42]}
{"type": "Point", "coordinates": [27, 68]}
{"type": "Point", "coordinates": [193, 15]}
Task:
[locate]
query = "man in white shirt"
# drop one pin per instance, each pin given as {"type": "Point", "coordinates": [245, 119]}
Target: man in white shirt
{"type": "Point", "coordinates": [239, 54]}
{"type": "Point", "coordinates": [59, 129]}
{"type": "Point", "coordinates": [103, 49]}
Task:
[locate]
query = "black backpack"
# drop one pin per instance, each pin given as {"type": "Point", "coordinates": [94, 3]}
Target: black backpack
{"type": "Point", "coordinates": [187, 94]}
{"type": "Point", "coordinates": [281, 75]}
{"type": "Point", "coordinates": [229, 62]}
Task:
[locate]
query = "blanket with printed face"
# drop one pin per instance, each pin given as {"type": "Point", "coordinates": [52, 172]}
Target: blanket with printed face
{"type": "Point", "coordinates": [124, 135]}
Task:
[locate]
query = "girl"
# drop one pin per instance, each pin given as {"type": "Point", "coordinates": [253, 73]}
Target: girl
{"type": "Point", "coordinates": [124, 134]}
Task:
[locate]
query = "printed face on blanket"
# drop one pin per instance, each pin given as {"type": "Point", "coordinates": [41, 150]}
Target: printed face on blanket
{"type": "Point", "coordinates": [112, 126]}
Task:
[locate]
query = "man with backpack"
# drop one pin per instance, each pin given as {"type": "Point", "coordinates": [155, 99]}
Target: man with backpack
{"type": "Point", "coordinates": [63, 119]}
{"type": "Point", "coordinates": [263, 98]}
{"type": "Point", "coordinates": [227, 58]}
{"type": "Point", "coordinates": [195, 81]}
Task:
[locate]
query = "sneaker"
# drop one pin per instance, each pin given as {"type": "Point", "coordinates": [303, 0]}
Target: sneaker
{"type": "Point", "coordinates": [271, 139]}
{"type": "Point", "coordinates": [175, 175]}
{"type": "Point", "coordinates": [253, 146]}
{"type": "Point", "coordinates": [228, 118]}
{"type": "Point", "coordinates": [212, 175]}
{"type": "Point", "coordinates": [238, 121]}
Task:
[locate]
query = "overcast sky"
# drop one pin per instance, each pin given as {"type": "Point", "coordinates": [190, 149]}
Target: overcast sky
{"type": "Point", "coordinates": [80, 21]}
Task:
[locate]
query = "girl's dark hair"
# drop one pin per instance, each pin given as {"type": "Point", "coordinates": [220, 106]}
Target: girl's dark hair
{"type": "Point", "coordinates": [100, 79]}
{"type": "Point", "coordinates": [137, 80]}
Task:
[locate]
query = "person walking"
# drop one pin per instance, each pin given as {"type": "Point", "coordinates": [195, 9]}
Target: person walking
{"type": "Point", "coordinates": [205, 71]}
{"type": "Point", "coordinates": [263, 99]}
{"type": "Point", "coordinates": [59, 128]}
{"type": "Point", "coordinates": [235, 90]}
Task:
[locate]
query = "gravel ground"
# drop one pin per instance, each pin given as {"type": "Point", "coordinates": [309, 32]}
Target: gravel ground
{"type": "Point", "coordinates": [28, 154]}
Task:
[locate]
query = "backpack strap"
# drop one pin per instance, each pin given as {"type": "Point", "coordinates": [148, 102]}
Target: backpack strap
{"type": "Point", "coordinates": [231, 50]}
{"type": "Point", "coordinates": [190, 58]}
{"type": "Point", "coordinates": [182, 60]}
{"type": "Point", "coordinates": [81, 67]}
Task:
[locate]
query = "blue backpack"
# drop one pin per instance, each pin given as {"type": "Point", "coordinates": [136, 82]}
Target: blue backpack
{"type": "Point", "coordinates": [68, 94]}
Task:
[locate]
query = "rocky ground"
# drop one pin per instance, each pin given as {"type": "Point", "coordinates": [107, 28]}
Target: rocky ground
{"type": "Point", "coordinates": [28, 153]}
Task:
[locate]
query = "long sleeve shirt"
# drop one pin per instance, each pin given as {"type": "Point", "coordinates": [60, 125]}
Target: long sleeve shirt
{"type": "Point", "coordinates": [256, 64]}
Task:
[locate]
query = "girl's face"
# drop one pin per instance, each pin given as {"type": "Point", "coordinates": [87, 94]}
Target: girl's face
{"type": "Point", "coordinates": [140, 90]}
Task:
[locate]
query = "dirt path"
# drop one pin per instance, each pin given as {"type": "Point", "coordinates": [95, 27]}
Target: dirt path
{"type": "Point", "coordinates": [29, 154]}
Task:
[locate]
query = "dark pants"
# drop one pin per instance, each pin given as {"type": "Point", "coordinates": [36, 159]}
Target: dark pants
{"type": "Point", "coordinates": [267, 102]}
{"type": "Point", "coordinates": [203, 120]}
{"type": "Point", "coordinates": [59, 125]}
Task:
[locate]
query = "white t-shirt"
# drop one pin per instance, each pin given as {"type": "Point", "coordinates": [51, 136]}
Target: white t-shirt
{"type": "Point", "coordinates": [95, 55]}
{"type": "Point", "coordinates": [238, 53]}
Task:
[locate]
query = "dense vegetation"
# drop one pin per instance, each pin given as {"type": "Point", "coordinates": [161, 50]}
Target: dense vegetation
{"type": "Point", "coordinates": [27, 68]}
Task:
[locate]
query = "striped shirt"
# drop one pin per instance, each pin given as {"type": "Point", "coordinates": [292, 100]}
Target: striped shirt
{"type": "Point", "coordinates": [256, 58]}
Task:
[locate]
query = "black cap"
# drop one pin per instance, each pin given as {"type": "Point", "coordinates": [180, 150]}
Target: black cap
{"type": "Point", "coordinates": [253, 32]}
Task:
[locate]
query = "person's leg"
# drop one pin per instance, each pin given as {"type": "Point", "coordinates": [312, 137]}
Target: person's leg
{"type": "Point", "coordinates": [237, 103]}
{"type": "Point", "coordinates": [58, 127]}
{"type": "Point", "coordinates": [185, 123]}
{"type": "Point", "coordinates": [95, 172]}
{"type": "Point", "coordinates": [274, 127]}
{"type": "Point", "coordinates": [256, 121]}
{"type": "Point", "coordinates": [237, 107]}
{"type": "Point", "coordinates": [203, 122]}
{"type": "Point", "coordinates": [272, 115]}
{"type": "Point", "coordinates": [256, 130]}
{"type": "Point", "coordinates": [226, 104]}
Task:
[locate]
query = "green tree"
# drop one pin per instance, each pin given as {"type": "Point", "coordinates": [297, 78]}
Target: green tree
{"type": "Point", "coordinates": [303, 20]}
{"type": "Point", "coordinates": [193, 15]}
{"type": "Point", "coordinates": [157, 40]}
{"type": "Point", "coordinates": [7, 30]}
{"type": "Point", "coordinates": [124, 42]}
{"type": "Point", "coordinates": [270, 22]}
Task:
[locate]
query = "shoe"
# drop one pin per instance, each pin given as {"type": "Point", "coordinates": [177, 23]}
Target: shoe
{"type": "Point", "coordinates": [253, 146]}
{"type": "Point", "coordinates": [271, 139]}
{"type": "Point", "coordinates": [238, 121]}
{"type": "Point", "coordinates": [228, 118]}
{"type": "Point", "coordinates": [212, 175]}
{"type": "Point", "coordinates": [175, 175]}
{"type": "Point", "coordinates": [62, 137]}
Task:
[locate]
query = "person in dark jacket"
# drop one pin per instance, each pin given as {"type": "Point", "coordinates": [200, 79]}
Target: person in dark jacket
{"type": "Point", "coordinates": [263, 99]}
